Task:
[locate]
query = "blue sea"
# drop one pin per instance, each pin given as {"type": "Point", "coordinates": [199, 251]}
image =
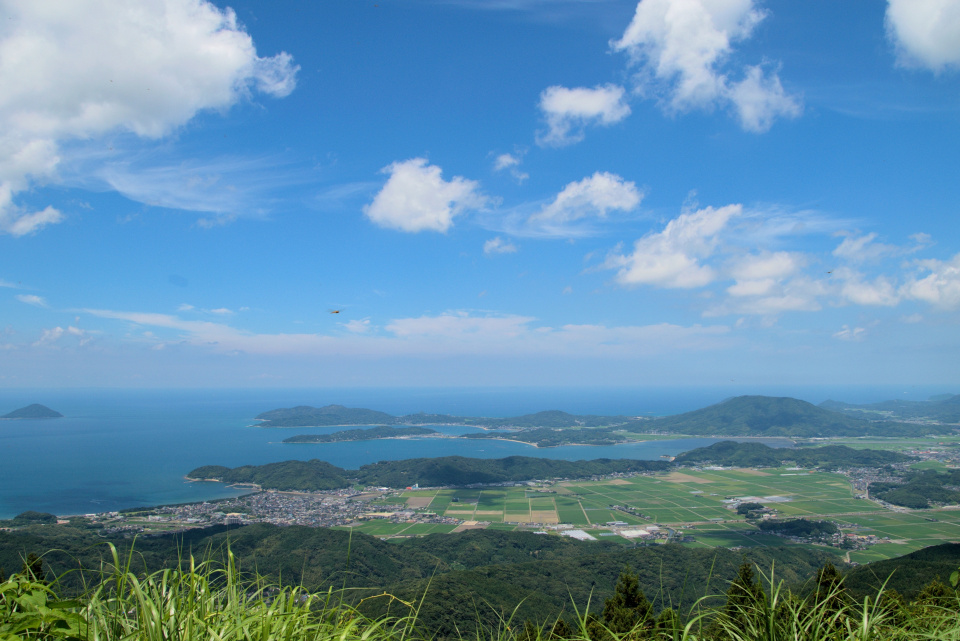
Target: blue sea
{"type": "Point", "coordinates": [126, 448]}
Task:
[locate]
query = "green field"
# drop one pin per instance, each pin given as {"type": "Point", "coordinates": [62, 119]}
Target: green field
{"type": "Point", "coordinates": [692, 501]}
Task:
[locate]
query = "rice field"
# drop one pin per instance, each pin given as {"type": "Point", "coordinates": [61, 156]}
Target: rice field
{"type": "Point", "coordinates": [691, 501]}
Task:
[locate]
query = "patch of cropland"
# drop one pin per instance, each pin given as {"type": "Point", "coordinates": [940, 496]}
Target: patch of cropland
{"type": "Point", "coordinates": [945, 409]}
{"type": "Point", "coordinates": [733, 454]}
{"type": "Point", "coordinates": [33, 411]}
{"type": "Point", "coordinates": [771, 416]}
{"type": "Point", "coordinates": [367, 434]}
{"type": "Point", "coordinates": [441, 471]}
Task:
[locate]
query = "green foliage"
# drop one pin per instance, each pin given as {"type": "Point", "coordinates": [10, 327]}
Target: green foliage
{"type": "Point", "coordinates": [747, 508]}
{"type": "Point", "coordinates": [801, 528]}
{"type": "Point", "coordinates": [920, 489]}
{"type": "Point", "coordinates": [944, 408]}
{"type": "Point", "coordinates": [733, 454]}
{"type": "Point", "coordinates": [440, 471]}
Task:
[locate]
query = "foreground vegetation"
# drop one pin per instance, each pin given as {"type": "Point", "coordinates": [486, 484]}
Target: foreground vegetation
{"type": "Point", "coordinates": [206, 600]}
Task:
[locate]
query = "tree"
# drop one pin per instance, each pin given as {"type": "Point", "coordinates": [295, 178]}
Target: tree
{"type": "Point", "coordinates": [33, 568]}
{"type": "Point", "coordinates": [628, 609]}
{"type": "Point", "coordinates": [744, 597]}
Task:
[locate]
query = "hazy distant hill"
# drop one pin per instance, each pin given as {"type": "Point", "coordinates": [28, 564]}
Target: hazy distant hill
{"type": "Point", "coordinates": [306, 416]}
{"type": "Point", "coordinates": [33, 411]}
{"type": "Point", "coordinates": [945, 409]}
{"type": "Point", "coordinates": [775, 416]}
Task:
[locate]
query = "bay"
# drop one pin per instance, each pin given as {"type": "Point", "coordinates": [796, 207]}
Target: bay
{"type": "Point", "coordinates": [128, 448]}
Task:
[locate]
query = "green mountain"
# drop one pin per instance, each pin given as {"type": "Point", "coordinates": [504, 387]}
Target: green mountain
{"type": "Point", "coordinates": [774, 416]}
{"type": "Point", "coordinates": [944, 408]}
{"type": "Point", "coordinates": [733, 454]}
{"type": "Point", "coordinates": [306, 416]}
{"type": "Point", "coordinates": [33, 411]}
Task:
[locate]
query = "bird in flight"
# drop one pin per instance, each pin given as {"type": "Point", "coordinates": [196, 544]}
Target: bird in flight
{"type": "Point", "coordinates": [334, 311]}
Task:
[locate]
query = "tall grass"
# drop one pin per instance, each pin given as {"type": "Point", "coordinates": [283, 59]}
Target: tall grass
{"type": "Point", "coordinates": [207, 601]}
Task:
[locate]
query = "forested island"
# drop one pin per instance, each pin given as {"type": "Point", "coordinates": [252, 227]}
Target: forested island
{"type": "Point", "coordinates": [32, 411]}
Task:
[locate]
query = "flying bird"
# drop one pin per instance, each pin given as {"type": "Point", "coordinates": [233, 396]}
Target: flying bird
{"type": "Point", "coordinates": [334, 311]}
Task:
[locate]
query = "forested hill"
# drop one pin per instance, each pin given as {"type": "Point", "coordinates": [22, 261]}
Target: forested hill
{"type": "Point", "coordinates": [774, 416]}
{"type": "Point", "coordinates": [306, 416]}
{"type": "Point", "coordinates": [946, 409]}
{"type": "Point", "coordinates": [428, 472]}
{"type": "Point", "coordinates": [733, 454]}
{"type": "Point", "coordinates": [33, 411]}
{"type": "Point", "coordinates": [462, 580]}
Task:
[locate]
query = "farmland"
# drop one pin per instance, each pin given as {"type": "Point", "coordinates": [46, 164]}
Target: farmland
{"type": "Point", "coordinates": [691, 502]}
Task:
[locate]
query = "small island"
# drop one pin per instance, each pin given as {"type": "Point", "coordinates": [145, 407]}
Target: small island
{"type": "Point", "coordinates": [32, 411]}
{"type": "Point", "coordinates": [369, 434]}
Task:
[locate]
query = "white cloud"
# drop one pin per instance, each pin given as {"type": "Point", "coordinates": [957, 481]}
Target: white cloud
{"type": "Point", "coordinates": [357, 326]}
{"type": "Point", "coordinates": [569, 111]}
{"type": "Point", "coordinates": [672, 257]}
{"type": "Point", "coordinates": [185, 307]}
{"type": "Point", "coordinates": [32, 299]}
{"type": "Point", "coordinates": [851, 333]}
{"type": "Point", "coordinates": [416, 198]}
{"type": "Point", "coordinates": [223, 311]}
{"type": "Point", "coordinates": [682, 49]}
{"type": "Point", "coordinates": [759, 99]}
{"type": "Point", "coordinates": [771, 297]}
{"type": "Point", "coordinates": [595, 195]}
{"type": "Point", "coordinates": [511, 162]}
{"type": "Point", "coordinates": [505, 161]}
{"type": "Point", "coordinates": [51, 336]}
{"type": "Point", "coordinates": [859, 290]}
{"type": "Point", "coordinates": [81, 70]}
{"type": "Point", "coordinates": [761, 274]}
{"type": "Point", "coordinates": [499, 246]}
{"type": "Point", "coordinates": [4, 283]}
{"type": "Point", "coordinates": [940, 287]}
{"type": "Point", "coordinates": [925, 32]}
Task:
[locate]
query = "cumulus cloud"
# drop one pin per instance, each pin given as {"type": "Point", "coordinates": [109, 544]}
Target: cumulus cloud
{"type": "Point", "coordinates": [568, 111]}
{"type": "Point", "coordinates": [593, 196]}
{"type": "Point", "coordinates": [762, 274]}
{"type": "Point", "coordinates": [682, 51]}
{"type": "Point", "coordinates": [499, 246]}
{"type": "Point", "coordinates": [416, 198]}
{"type": "Point", "coordinates": [672, 257]}
{"type": "Point", "coordinates": [51, 336]}
{"type": "Point", "coordinates": [926, 33]}
{"type": "Point", "coordinates": [860, 290]}
{"type": "Point", "coordinates": [85, 69]}
{"type": "Point", "coordinates": [939, 287]}
{"type": "Point", "coordinates": [32, 299]}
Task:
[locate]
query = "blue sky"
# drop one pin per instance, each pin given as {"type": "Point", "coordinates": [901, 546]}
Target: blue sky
{"type": "Point", "coordinates": [502, 192]}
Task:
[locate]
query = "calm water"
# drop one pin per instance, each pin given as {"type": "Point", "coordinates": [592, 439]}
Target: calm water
{"type": "Point", "coordinates": [118, 449]}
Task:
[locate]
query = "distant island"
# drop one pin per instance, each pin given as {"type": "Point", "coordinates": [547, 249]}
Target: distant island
{"type": "Point", "coordinates": [362, 435]}
{"type": "Point", "coordinates": [744, 416]}
{"type": "Point", "coordinates": [336, 415]}
{"type": "Point", "coordinates": [32, 411]}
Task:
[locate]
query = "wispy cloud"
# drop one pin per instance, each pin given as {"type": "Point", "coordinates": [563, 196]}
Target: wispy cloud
{"type": "Point", "coordinates": [32, 299]}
